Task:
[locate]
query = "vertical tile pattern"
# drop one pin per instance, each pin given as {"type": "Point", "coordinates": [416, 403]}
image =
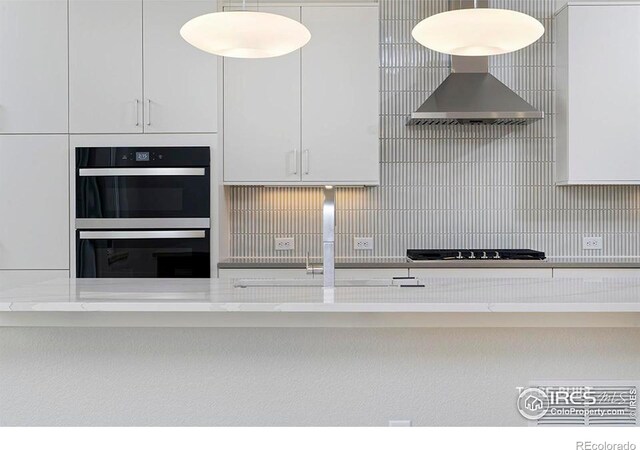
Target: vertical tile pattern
{"type": "Point", "coordinates": [449, 186]}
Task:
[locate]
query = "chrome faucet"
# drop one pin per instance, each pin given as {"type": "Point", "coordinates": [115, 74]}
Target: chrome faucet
{"type": "Point", "coordinates": [328, 268]}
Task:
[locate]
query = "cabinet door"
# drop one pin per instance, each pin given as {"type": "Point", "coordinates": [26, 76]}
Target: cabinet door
{"type": "Point", "coordinates": [262, 116]}
{"type": "Point", "coordinates": [34, 202]}
{"type": "Point", "coordinates": [33, 66]}
{"type": "Point", "coordinates": [180, 81]}
{"type": "Point", "coordinates": [604, 94]}
{"type": "Point", "coordinates": [105, 66]}
{"type": "Point", "coordinates": [340, 95]}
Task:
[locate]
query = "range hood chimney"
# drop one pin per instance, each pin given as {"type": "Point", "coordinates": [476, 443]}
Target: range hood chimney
{"type": "Point", "coordinates": [471, 95]}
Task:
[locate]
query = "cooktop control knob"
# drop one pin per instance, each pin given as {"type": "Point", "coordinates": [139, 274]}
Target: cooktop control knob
{"type": "Point", "coordinates": [497, 255]}
{"type": "Point", "coordinates": [472, 256]}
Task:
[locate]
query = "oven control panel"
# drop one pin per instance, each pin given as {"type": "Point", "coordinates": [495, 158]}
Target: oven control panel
{"type": "Point", "coordinates": [97, 157]}
{"type": "Point", "coordinates": [142, 156]}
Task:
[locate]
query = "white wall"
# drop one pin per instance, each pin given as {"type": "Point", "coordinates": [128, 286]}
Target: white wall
{"type": "Point", "coordinates": [293, 376]}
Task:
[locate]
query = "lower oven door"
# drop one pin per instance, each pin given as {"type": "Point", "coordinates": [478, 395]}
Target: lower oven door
{"type": "Point", "coordinates": [143, 254]}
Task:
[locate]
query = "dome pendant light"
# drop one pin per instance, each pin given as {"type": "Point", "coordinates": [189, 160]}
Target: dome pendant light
{"type": "Point", "coordinates": [478, 31]}
{"type": "Point", "coordinates": [245, 34]}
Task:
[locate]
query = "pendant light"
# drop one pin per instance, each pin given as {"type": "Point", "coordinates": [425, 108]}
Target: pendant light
{"type": "Point", "coordinates": [478, 31]}
{"type": "Point", "coordinates": [245, 34]}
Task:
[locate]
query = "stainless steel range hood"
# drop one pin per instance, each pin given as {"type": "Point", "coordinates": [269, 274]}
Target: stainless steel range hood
{"type": "Point", "coordinates": [471, 95]}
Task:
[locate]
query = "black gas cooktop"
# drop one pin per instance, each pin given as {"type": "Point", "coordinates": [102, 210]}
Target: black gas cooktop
{"type": "Point", "coordinates": [477, 254]}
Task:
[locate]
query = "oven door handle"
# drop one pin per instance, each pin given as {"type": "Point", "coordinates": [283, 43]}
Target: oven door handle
{"type": "Point", "coordinates": [170, 234]}
{"type": "Point", "coordinates": [142, 172]}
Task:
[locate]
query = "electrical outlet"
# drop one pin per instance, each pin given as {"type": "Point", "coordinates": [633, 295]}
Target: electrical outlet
{"type": "Point", "coordinates": [592, 243]}
{"type": "Point", "coordinates": [283, 244]}
{"type": "Point", "coordinates": [363, 243]}
{"type": "Point", "coordinates": [399, 423]}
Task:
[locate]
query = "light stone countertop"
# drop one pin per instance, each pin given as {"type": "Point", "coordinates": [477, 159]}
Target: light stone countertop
{"type": "Point", "coordinates": [450, 302]}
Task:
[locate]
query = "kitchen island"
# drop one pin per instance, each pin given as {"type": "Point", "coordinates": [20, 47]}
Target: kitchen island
{"type": "Point", "coordinates": [441, 302]}
{"type": "Point", "coordinates": [203, 352]}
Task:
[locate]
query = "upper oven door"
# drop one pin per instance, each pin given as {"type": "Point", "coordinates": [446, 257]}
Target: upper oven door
{"type": "Point", "coordinates": [139, 187]}
{"type": "Point", "coordinates": [128, 193]}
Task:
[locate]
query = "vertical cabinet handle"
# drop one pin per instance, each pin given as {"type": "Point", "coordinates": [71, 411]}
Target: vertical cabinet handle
{"type": "Point", "coordinates": [137, 112]}
{"type": "Point", "coordinates": [293, 162]}
{"type": "Point", "coordinates": [307, 161]}
{"type": "Point", "coordinates": [148, 112]}
{"type": "Point", "coordinates": [296, 162]}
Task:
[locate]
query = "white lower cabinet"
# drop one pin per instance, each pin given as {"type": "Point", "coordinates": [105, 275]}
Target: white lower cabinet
{"type": "Point", "coordinates": [283, 274]}
{"type": "Point", "coordinates": [482, 273]}
{"type": "Point", "coordinates": [368, 274]}
{"type": "Point", "coordinates": [596, 273]}
{"type": "Point", "coordinates": [34, 202]}
{"type": "Point", "coordinates": [341, 274]}
{"type": "Point", "coordinates": [18, 278]}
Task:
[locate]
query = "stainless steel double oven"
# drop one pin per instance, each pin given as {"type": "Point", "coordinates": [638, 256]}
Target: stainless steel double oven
{"type": "Point", "coordinates": [143, 212]}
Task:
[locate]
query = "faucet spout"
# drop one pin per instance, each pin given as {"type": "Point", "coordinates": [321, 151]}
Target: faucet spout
{"type": "Point", "coordinates": [329, 237]}
{"type": "Point", "coordinates": [328, 268]}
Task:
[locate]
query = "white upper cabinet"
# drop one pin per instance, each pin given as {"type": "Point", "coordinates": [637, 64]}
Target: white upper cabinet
{"type": "Point", "coordinates": [105, 66]}
{"type": "Point", "coordinates": [598, 94]}
{"type": "Point", "coordinates": [262, 116]}
{"type": "Point", "coordinates": [131, 71]}
{"type": "Point", "coordinates": [340, 100]}
{"type": "Point", "coordinates": [180, 81]}
{"type": "Point", "coordinates": [33, 66]}
{"type": "Point", "coordinates": [310, 117]}
{"type": "Point", "coordinates": [34, 202]}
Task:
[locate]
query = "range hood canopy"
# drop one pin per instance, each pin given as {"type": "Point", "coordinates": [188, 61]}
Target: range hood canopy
{"type": "Point", "coordinates": [471, 95]}
{"type": "Point", "coordinates": [474, 98]}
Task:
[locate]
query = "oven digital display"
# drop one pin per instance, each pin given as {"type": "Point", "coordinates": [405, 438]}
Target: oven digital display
{"type": "Point", "coordinates": [142, 156]}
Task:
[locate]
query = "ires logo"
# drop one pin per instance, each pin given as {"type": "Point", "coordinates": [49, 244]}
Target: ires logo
{"type": "Point", "coordinates": [577, 401]}
{"type": "Point", "coordinates": [572, 396]}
